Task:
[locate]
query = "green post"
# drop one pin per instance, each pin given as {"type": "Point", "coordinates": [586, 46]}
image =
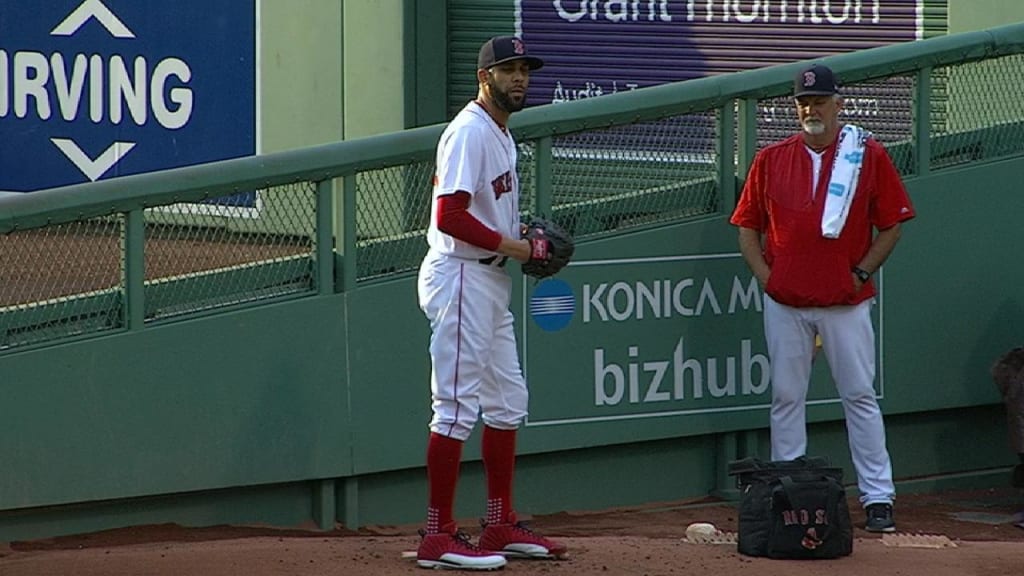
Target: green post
{"type": "Point", "coordinates": [750, 443]}
{"type": "Point", "coordinates": [726, 450]}
{"type": "Point", "coordinates": [727, 157]}
{"type": "Point", "coordinates": [350, 486]}
{"type": "Point", "coordinates": [543, 193]}
{"type": "Point", "coordinates": [747, 144]}
{"type": "Point", "coordinates": [325, 237]}
{"type": "Point", "coordinates": [133, 268]}
{"type": "Point", "coordinates": [922, 122]}
{"type": "Point", "coordinates": [348, 232]}
{"type": "Point", "coordinates": [324, 504]}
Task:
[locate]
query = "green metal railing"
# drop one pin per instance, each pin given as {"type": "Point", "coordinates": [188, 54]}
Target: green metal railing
{"type": "Point", "coordinates": [129, 252]}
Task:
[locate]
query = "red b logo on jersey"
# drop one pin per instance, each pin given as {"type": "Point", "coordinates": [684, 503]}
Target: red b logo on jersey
{"type": "Point", "coordinates": [502, 184]}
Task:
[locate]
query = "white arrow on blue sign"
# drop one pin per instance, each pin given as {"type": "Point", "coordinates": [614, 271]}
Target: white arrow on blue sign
{"type": "Point", "coordinates": [93, 89]}
{"type": "Point", "coordinates": [92, 9]}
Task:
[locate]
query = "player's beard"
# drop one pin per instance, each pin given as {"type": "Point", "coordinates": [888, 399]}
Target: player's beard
{"type": "Point", "coordinates": [813, 126]}
{"type": "Point", "coordinates": [502, 99]}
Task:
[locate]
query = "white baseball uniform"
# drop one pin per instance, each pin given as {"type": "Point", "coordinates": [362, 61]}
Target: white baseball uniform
{"type": "Point", "coordinates": [464, 289]}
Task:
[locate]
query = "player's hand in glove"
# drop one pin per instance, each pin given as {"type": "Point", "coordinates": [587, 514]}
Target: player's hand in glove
{"type": "Point", "coordinates": [551, 247]}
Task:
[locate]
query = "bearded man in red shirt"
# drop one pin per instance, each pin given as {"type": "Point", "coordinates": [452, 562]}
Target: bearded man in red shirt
{"type": "Point", "coordinates": [819, 214]}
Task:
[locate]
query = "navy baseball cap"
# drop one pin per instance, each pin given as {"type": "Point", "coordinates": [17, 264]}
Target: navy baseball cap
{"type": "Point", "coordinates": [501, 49]}
{"type": "Point", "coordinates": [815, 80]}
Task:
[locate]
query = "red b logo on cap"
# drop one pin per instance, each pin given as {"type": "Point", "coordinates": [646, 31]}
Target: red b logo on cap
{"type": "Point", "coordinates": [809, 78]}
{"type": "Point", "coordinates": [517, 46]}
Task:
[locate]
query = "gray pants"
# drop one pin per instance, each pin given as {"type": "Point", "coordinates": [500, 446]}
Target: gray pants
{"type": "Point", "coordinates": [848, 341]}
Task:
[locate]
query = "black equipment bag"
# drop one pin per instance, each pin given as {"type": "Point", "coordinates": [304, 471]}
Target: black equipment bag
{"type": "Point", "coordinates": [792, 509]}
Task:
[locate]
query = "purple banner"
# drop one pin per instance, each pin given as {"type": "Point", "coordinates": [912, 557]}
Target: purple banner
{"type": "Point", "coordinates": [596, 47]}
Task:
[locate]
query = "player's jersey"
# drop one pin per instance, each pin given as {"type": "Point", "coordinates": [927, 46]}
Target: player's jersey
{"type": "Point", "coordinates": [476, 155]}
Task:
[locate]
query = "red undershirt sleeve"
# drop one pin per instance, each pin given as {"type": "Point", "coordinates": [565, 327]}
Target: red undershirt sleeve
{"type": "Point", "coordinates": [454, 219]}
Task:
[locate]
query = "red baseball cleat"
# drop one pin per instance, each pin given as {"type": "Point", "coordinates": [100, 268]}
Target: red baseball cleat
{"type": "Point", "coordinates": [451, 549]}
{"type": "Point", "coordinates": [515, 540]}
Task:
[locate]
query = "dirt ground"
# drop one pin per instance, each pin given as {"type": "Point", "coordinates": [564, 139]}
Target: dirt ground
{"type": "Point", "coordinates": [969, 533]}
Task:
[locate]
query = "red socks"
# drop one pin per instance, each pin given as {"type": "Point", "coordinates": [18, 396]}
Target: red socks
{"type": "Point", "coordinates": [498, 449]}
{"type": "Point", "coordinates": [444, 456]}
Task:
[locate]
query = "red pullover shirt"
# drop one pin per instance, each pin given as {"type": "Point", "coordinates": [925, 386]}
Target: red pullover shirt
{"type": "Point", "coordinates": [808, 269]}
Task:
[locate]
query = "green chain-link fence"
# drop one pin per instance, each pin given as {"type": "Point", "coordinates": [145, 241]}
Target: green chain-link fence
{"type": "Point", "coordinates": [124, 253]}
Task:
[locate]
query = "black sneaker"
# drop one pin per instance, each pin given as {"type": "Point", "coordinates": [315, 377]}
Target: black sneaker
{"type": "Point", "coordinates": [879, 518]}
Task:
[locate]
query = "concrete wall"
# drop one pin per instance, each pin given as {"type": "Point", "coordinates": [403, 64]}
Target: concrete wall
{"type": "Point", "coordinates": [300, 74]}
{"type": "Point", "coordinates": [329, 71]}
{"type": "Point", "coordinates": [970, 15]}
{"type": "Point", "coordinates": [372, 47]}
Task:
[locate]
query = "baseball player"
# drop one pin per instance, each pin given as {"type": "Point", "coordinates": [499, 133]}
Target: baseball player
{"type": "Point", "coordinates": [464, 290]}
{"type": "Point", "coordinates": [816, 273]}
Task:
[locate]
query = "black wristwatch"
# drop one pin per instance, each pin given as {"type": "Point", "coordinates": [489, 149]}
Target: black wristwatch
{"type": "Point", "coordinates": [861, 273]}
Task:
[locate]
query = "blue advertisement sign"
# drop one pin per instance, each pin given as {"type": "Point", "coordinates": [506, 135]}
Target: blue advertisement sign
{"type": "Point", "coordinates": [94, 89]}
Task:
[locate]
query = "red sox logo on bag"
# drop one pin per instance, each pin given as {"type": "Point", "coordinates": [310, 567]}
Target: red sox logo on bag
{"type": "Point", "coordinates": [811, 539]}
{"type": "Point", "coordinates": [802, 517]}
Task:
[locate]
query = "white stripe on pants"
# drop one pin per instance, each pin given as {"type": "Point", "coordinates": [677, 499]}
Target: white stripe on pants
{"type": "Point", "coordinates": [848, 341]}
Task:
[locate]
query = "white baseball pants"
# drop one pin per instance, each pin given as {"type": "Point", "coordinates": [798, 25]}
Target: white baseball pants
{"type": "Point", "coordinates": [474, 361]}
{"type": "Point", "coordinates": [848, 341]}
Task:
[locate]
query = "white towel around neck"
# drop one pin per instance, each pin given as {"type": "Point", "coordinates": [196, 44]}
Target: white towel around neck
{"type": "Point", "coordinates": [843, 183]}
